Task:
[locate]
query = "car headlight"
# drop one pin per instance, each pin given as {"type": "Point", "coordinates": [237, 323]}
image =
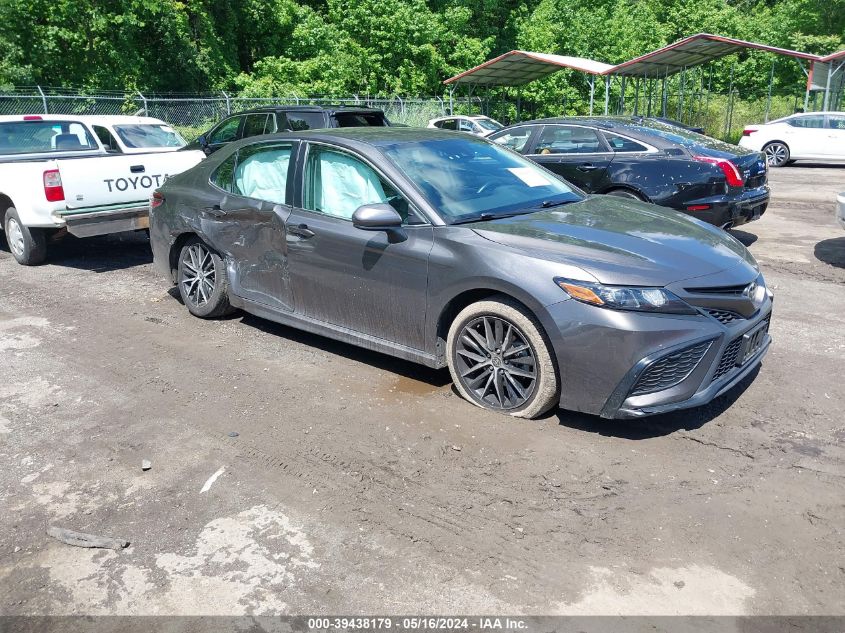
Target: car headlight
{"type": "Point", "coordinates": [625, 298]}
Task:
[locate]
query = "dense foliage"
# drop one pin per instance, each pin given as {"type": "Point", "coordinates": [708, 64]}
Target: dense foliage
{"type": "Point", "coordinates": [343, 47]}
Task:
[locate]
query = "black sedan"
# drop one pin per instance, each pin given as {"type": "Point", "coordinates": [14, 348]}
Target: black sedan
{"type": "Point", "coordinates": [645, 159]}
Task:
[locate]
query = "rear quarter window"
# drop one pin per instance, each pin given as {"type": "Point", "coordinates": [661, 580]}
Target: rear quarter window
{"type": "Point", "coordinates": [359, 119]}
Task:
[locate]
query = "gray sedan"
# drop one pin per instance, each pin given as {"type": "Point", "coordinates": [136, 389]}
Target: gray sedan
{"type": "Point", "coordinates": [449, 250]}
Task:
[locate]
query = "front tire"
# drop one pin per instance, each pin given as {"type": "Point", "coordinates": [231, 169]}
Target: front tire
{"type": "Point", "coordinates": [28, 246]}
{"type": "Point", "coordinates": [202, 280]}
{"type": "Point", "coordinates": [501, 360]}
{"type": "Point", "coordinates": [777, 154]}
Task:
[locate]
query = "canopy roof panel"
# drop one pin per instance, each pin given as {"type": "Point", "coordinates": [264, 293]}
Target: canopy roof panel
{"type": "Point", "coordinates": [694, 51]}
{"type": "Point", "coordinates": [516, 68]}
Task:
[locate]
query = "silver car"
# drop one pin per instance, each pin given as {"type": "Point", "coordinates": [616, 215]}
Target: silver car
{"type": "Point", "coordinates": [450, 250]}
{"type": "Point", "coordinates": [840, 209]}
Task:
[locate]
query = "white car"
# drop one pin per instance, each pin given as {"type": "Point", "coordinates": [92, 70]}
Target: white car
{"type": "Point", "coordinates": [840, 209]}
{"type": "Point", "coordinates": [478, 125]}
{"type": "Point", "coordinates": [84, 175]}
{"type": "Point", "coordinates": [805, 136]}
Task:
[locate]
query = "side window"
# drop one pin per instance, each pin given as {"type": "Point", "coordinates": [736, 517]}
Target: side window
{"type": "Point", "coordinates": [564, 139]}
{"type": "Point", "coordinates": [336, 184]}
{"type": "Point", "coordinates": [464, 125]}
{"type": "Point", "coordinates": [438, 124]}
{"type": "Point", "coordinates": [449, 124]}
{"type": "Point", "coordinates": [815, 121]}
{"type": "Point", "coordinates": [223, 176]}
{"type": "Point", "coordinates": [622, 144]}
{"type": "Point", "coordinates": [106, 138]}
{"type": "Point", "coordinates": [516, 139]}
{"type": "Point", "coordinates": [254, 124]}
{"type": "Point", "coordinates": [262, 172]}
{"type": "Point", "coordinates": [836, 121]}
{"type": "Point", "coordinates": [226, 131]}
{"type": "Point", "coordinates": [298, 121]}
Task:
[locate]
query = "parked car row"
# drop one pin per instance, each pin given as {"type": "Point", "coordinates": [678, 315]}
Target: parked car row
{"type": "Point", "coordinates": [442, 248]}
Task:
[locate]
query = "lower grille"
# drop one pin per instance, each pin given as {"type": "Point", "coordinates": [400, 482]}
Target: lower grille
{"type": "Point", "coordinates": [728, 358]}
{"type": "Point", "coordinates": [725, 316]}
{"type": "Point", "coordinates": [670, 370]}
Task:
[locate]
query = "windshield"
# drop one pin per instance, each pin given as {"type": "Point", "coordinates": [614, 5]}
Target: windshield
{"type": "Point", "coordinates": [29, 137]}
{"type": "Point", "coordinates": [141, 135]}
{"type": "Point", "coordinates": [466, 178]}
{"type": "Point", "coordinates": [489, 124]}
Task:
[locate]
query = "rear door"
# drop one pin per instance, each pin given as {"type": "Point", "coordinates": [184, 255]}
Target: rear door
{"type": "Point", "coordinates": [576, 152]}
{"type": "Point", "coordinates": [807, 136]}
{"type": "Point", "coordinates": [371, 282]}
{"type": "Point", "coordinates": [248, 223]}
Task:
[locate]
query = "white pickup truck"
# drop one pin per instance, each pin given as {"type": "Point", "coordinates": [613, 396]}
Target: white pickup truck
{"type": "Point", "coordinates": [84, 175]}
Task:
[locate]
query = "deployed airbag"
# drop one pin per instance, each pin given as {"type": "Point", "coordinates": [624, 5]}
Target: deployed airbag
{"type": "Point", "coordinates": [264, 176]}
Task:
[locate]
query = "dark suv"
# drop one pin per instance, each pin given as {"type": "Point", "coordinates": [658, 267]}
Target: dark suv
{"type": "Point", "coordinates": [272, 119]}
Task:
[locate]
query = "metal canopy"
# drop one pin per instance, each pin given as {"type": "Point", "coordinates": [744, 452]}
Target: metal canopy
{"type": "Point", "coordinates": [516, 68]}
{"type": "Point", "coordinates": [693, 51]}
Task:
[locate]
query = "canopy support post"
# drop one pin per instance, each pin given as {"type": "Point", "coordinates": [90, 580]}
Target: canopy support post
{"type": "Point", "coordinates": [606, 95]}
{"type": "Point", "coordinates": [769, 96]}
{"type": "Point", "coordinates": [636, 96]}
{"type": "Point", "coordinates": [592, 92]}
{"type": "Point", "coordinates": [621, 108]}
{"type": "Point", "coordinates": [664, 97]}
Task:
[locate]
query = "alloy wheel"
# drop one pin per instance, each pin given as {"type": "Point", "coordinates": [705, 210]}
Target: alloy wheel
{"type": "Point", "coordinates": [776, 154]}
{"type": "Point", "coordinates": [496, 363]}
{"type": "Point", "coordinates": [199, 275]}
{"type": "Point", "coordinates": [14, 234]}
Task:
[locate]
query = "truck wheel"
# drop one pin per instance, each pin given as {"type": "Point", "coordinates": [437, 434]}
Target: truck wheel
{"type": "Point", "coordinates": [202, 279]}
{"type": "Point", "coordinates": [28, 246]}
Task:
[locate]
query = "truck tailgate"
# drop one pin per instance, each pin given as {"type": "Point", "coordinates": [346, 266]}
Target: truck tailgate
{"type": "Point", "coordinates": [119, 180]}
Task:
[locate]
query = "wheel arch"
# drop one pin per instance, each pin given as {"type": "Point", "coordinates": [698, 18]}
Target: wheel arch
{"type": "Point", "coordinates": [626, 187]}
{"type": "Point", "coordinates": [176, 248]}
{"type": "Point", "coordinates": [461, 300]}
{"type": "Point", "coordinates": [5, 204]}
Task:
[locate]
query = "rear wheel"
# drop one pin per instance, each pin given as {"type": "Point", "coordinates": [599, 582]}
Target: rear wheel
{"type": "Point", "coordinates": [202, 280]}
{"type": "Point", "coordinates": [500, 359]}
{"type": "Point", "coordinates": [777, 154]}
{"type": "Point", "coordinates": [28, 246]}
{"type": "Point", "coordinates": [626, 193]}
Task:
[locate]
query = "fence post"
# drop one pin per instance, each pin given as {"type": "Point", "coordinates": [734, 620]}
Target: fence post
{"type": "Point", "coordinates": [144, 101]}
{"type": "Point", "coordinates": [769, 97]}
{"type": "Point", "coordinates": [43, 100]}
{"type": "Point", "coordinates": [228, 103]}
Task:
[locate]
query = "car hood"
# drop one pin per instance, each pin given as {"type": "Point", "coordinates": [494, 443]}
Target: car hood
{"type": "Point", "coordinates": [622, 242]}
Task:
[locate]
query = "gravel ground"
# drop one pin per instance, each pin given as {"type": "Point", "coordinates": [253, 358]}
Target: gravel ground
{"type": "Point", "coordinates": [358, 483]}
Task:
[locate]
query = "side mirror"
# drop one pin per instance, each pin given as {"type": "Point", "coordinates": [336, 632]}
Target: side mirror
{"type": "Point", "coordinates": [202, 141]}
{"type": "Point", "coordinates": [376, 217]}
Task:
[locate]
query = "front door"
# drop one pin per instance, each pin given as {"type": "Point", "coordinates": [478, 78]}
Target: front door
{"type": "Point", "coordinates": [835, 147]}
{"type": "Point", "coordinates": [371, 282]}
{"type": "Point", "coordinates": [577, 153]}
{"type": "Point", "coordinates": [248, 225]}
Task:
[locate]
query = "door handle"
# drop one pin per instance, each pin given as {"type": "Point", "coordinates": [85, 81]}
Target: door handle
{"type": "Point", "coordinates": [137, 169]}
{"type": "Point", "coordinates": [301, 230]}
{"type": "Point", "coordinates": [586, 167]}
{"type": "Point", "coordinates": [215, 210]}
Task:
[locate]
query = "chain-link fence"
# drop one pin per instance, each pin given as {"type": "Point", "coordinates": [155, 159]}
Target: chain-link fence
{"type": "Point", "coordinates": [194, 114]}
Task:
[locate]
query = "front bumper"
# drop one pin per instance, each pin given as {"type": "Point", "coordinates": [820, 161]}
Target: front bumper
{"type": "Point", "coordinates": [603, 354]}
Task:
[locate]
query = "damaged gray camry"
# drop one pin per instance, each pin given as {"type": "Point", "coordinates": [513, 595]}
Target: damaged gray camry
{"type": "Point", "coordinates": [445, 249]}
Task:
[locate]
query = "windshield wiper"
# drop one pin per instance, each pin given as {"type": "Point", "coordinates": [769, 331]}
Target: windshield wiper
{"type": "Point", "coordinates": [485, 217]}
{"type": "Point", "coordinates": [548, 204]}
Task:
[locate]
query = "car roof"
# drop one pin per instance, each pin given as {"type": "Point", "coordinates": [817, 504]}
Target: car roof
{"type": "Point", "coordinates": [373, 136]}
{"type": "Point", "coordinates": [308, 108]}
{"type": "Point", "coordinates": [109, 119]}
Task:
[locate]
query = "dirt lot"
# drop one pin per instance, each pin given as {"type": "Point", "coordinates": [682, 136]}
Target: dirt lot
{"type": "Point", "coordinates": [358, 483]}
